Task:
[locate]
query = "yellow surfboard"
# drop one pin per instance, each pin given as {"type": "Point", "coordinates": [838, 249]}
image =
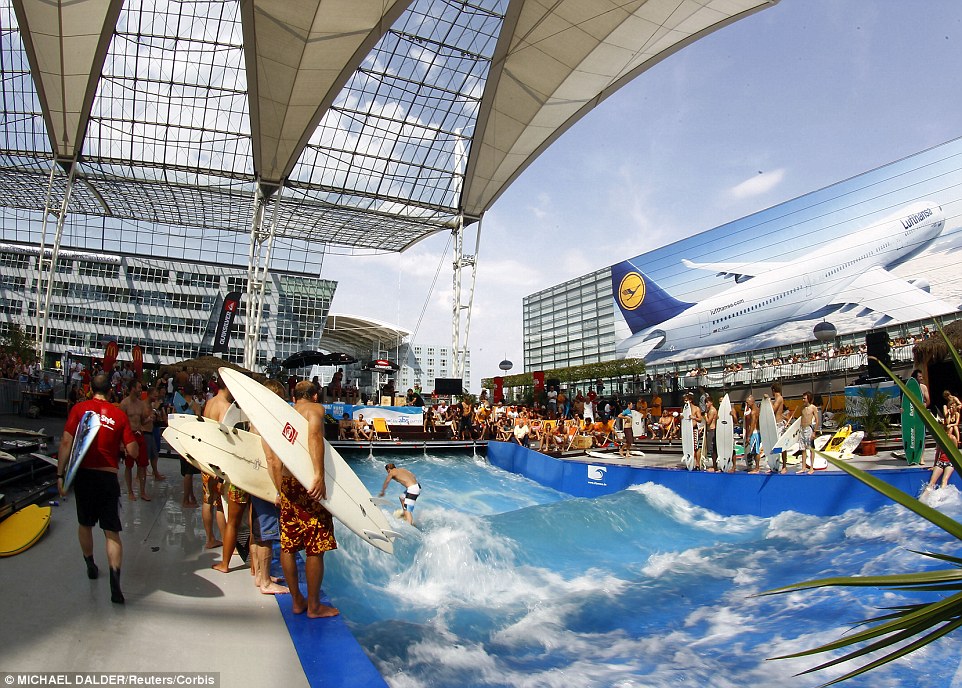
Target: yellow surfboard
{"type": "Point", "coordinates": [21, 530]}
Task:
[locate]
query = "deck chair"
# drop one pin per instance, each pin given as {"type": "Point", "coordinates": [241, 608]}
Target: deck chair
{"type": "Point", "coordinates": [547, 430]}
{"type": "Point", "coordinates": [381, 431]}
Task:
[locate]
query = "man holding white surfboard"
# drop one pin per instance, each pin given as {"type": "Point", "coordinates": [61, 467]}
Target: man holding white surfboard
{"type": "Point", "coordinates": [305, 524]}
{"type": "Point", "coordinates": [237, 499]}
{"type": "Point", "coordinates": [96, 486]}
{"type": "Point", "coordinates": [810, 420]}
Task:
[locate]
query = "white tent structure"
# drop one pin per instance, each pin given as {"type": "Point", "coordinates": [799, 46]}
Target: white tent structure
{"type": "Point", "coordinates": [330, 125]}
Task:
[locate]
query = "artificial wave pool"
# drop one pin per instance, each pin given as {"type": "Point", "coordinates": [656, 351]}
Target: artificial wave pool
{"type": "Point", "coordinates": [508, 583]}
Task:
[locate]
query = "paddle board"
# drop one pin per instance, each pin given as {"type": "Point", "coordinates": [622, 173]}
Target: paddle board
{"type": "Point", "coordinates": [21, 530]}
{"type": "Point", "coordinates": [913, 428]}
{"type": "Point", "coordinates": [687, 438]}
{"type": "Point", "coordinates": [285, 431]}
{"type": "Point", "coordinates": [769, 432]}
{"type": "Point", "coordinates": [725, 434]}
{"type": "Point", "coordinates": [235, 454]}
{"type": "Point", "coordinates": [86, 434]}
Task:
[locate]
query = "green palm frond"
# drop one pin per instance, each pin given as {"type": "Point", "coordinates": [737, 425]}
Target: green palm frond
{"type": "Point", "coordinates": [906, 628]}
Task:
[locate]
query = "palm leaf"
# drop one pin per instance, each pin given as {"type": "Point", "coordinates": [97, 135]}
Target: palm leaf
{"type": "Point", "coordinates": [926, 622]}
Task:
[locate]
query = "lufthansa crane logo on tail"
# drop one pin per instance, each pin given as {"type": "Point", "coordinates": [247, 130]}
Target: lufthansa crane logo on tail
{"type": "Point", "coordinates": [631, 291]}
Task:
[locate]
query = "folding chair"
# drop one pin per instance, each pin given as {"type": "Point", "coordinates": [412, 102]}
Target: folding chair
{"type": "Point", "coordinates": [381, 431]}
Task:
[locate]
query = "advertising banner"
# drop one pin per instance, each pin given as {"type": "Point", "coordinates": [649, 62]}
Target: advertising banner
{"type": "Point", "coordinates": [874, 250]}
{"type": "Point", "coordinates": [110, 356]}
{"type": "Point", "coordinates": [222, 335]}
{"type": "Point", "coordinates": [137, 357]}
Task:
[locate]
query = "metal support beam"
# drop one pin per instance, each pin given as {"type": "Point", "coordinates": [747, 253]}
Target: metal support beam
{"type": "Point", "coordinates": [47, 267]}
{"type": "Point", "coordinates": [258, 265]}
{"type": "Point", "coordinates": [462, 310]}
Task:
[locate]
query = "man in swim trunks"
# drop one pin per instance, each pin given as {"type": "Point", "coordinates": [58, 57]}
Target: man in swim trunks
{"type": "Point", "coordinates": [96, 486]}
{"type": "Point", "coordinates": [266, 527]}
{"type": "Point", "coordinates": [305, 524]}
{"type": "Point", "coordinates": [810, 418]}
{"type": "Point", "coordinates": [137, 411]}
{"type": "Point", "coordinates": [237, 499]}
{"type": "Point", "coordinates": [711, 425]}
{"type": "Point", "coordinates": [412, 489]}
{"type": "Point", "coordinates": [754, 445]}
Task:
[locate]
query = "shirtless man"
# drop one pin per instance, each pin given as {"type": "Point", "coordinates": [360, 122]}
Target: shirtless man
{"type": "Point", "coordinates": [412, 489]}
{"type": "Point", "coordinates": [305, 524]}
{"type": "Point", "coordinates": [782, 418]}
{"type": "Point", "coordinates": [138, 411]}
{"type": "Point", "coordinates": [362, 431]}
{"type": "Point", "coordinates": [711, 424]}
{"type": "Point", "coordinates": [753, 445]}
{"type": "Point", "coordinates": [237, 499]}
{"type": "Point", "coordinates": [153, 404]}
{"type": "Point", "coordinates": [696, 418]}
{"type": "Point", "coordinates": [345, 427]}
{"type": "Point", "coordinates": [810, 418]}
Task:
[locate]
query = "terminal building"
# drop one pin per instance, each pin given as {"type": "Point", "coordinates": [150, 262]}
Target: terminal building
{"type": "Point", "coordinates": [169, 308]}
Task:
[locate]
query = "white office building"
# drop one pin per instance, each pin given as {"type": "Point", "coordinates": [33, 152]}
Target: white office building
{"type": "Point", "coordinates": [169, 308]}
{"type": "Point", "coordinates": [425, 363]}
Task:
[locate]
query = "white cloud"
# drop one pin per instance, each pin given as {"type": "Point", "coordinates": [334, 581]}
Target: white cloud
{"type": "Point", "coordinates": [758, 184]}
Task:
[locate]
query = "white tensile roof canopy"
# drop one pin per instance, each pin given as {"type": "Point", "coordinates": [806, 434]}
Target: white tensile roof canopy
{"type": "Point", "coordinates": [376, 123]}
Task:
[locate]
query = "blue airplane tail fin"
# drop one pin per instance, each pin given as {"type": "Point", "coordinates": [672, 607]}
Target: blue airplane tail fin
{"type": "Point", "coordinates": [642, 302]}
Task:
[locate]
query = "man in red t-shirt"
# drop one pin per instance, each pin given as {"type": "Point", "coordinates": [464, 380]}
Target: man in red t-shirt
{"type": "Point", "coordinates": [96, 486]}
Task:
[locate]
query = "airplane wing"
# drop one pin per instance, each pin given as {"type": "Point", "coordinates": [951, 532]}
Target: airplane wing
{"type": "Point", "coordinates": [737, 270]}
{"type": "Point", "coordinates": [636, 346]}
{"type": "Point", "coordinates": [879, 290]}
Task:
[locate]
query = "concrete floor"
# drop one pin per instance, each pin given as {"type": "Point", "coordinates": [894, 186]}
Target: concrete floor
{"type": "Point", "coordinates": [180, 615]}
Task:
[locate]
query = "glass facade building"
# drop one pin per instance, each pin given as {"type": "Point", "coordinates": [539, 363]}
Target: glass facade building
{"type": "Point", "coordinates": [569, 324]}
{"type": "Point", "coordinates": [169, 308]}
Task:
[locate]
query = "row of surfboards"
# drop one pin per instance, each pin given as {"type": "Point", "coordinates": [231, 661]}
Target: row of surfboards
{"type": "Point", "coordinates": [236, 456]}
{"type": "Point", "coordinates": [840, 445]}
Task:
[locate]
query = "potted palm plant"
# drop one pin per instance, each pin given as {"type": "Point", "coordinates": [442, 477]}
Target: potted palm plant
{"type": "Point", "coordinates": [873, 419]}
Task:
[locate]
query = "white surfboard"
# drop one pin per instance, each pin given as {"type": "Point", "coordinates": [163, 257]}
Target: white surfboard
{"type": "Point", "coordinates": [769, 432]}
{"type": "Point", "coordinates": [23, 432]}
{"type": "Point", "coordinates": [236, 455]}
{"type": "Point", "coordinates": [179, 442]}
{"type": "Point", "coordinates": [87, 431]}
{"type": "Point", "coordinates": [687, 438]}
{"type": "Point", "coordinates": [285, 431]}
{"type": "Point", "coordinates": [725, 434]}
{"type": "Point", "coordinates": [637, 424]}
{"type": "Point", "coordinates": [234, 415]}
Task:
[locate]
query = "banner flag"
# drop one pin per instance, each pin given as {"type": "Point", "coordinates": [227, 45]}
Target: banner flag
{"type": "Point", "coordinates": [110, 356]}
{"type": "Point", "coordinates": [222, 336]}
{"type": "Point", "coordinates": [137, 355]}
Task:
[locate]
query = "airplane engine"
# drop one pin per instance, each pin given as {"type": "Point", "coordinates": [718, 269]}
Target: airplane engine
{"type": "Point", "coordinates": [921, 283]}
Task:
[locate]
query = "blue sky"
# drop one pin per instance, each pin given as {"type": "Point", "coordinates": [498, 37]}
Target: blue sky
{"type": "Point", "coordinates": [792, 99]}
